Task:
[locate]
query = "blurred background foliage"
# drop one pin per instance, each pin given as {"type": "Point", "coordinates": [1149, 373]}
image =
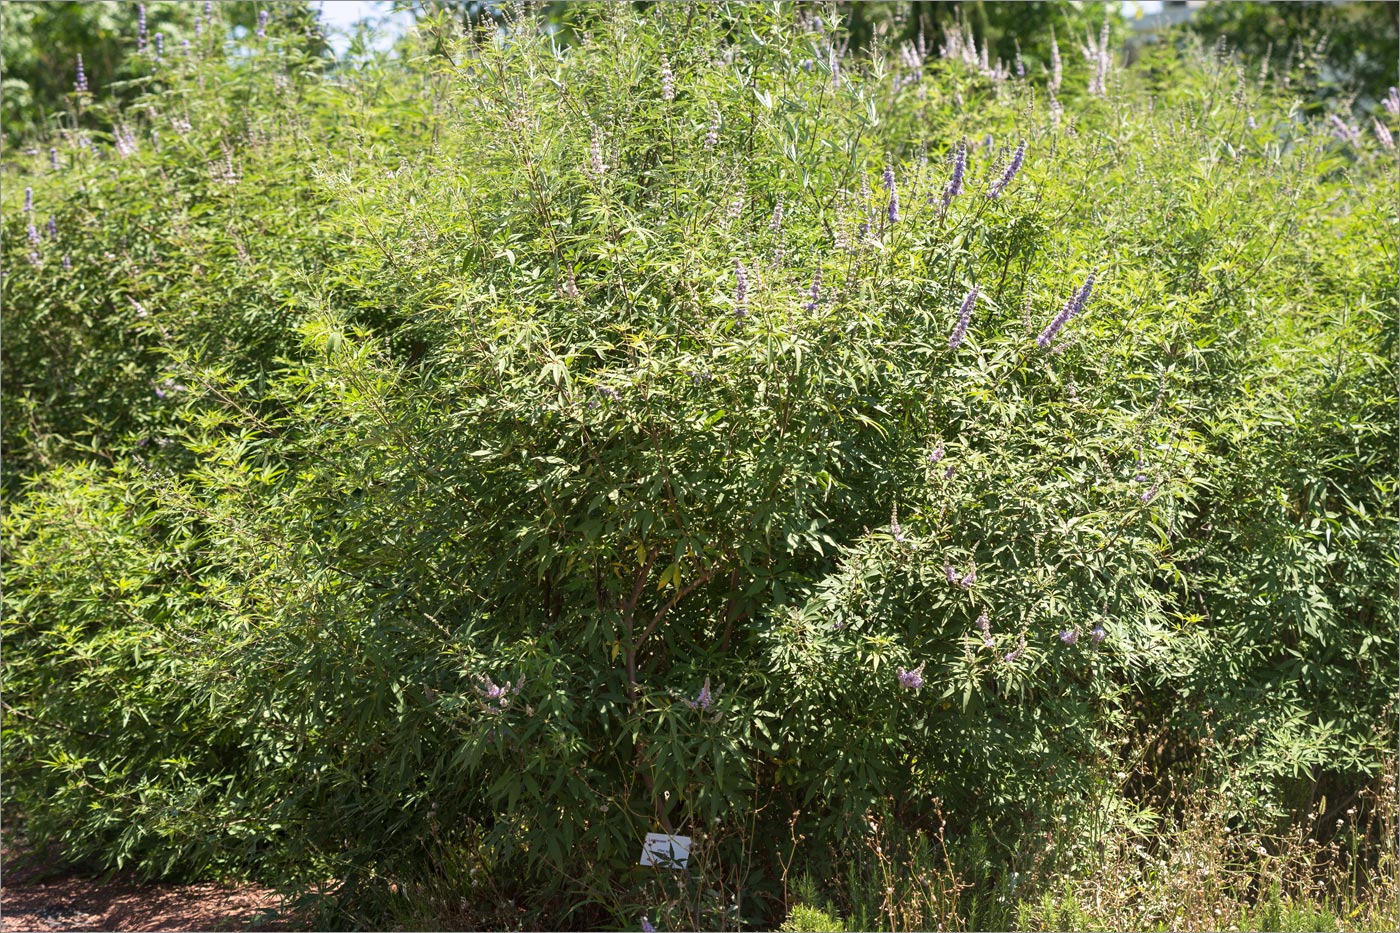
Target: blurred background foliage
{"type": "Point", "coordinates": [1346, 49]}
{"type": "Point", "coordinates": [1353, 49]}
{"type": "Point", "coordinates": [40, 43]}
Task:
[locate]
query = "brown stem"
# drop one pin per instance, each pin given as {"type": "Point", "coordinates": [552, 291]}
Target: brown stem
{"type": "Point", "coordinates": [670, 604]}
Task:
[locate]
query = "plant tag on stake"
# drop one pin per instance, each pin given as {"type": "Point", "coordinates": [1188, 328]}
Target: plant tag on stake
{"type": "Point", "coordinates": [666, 851]}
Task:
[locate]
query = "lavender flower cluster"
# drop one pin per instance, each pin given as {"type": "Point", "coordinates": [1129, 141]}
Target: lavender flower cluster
{"type": "Point", "coordinates": [1007, 176]}
{"type": "Point", "coordinates": [668, 81]}
{"type": "Point", "coordinates": [1383, 134]}
{"type": "Point", "coordinates": [125, 141]}
{"type": "Point", "coordinates": [595, 154]}
{"type": "Point", "coordinates": [741, 291]}
{"type": "Point", "coordinates": [704, 700]}
{"type": "Point", "coordinates": [964, 318]}
{"type": "Point", "coordinates": [1070, 636]}
{"type": "Point", "coordinates": [954, 187]}
{"type": "Point", "coordinates": [965, 581]}
{"type": "Point", "coordinates": [814, 294]}
{"type": "Point", "coordinates": [892, 209]}
{"type": "Point", "coordinates": [1343, 130]}
{"type": "Point", "coordinates": [496, 698]}
{"type": "Point", "coordinates": [984, 626]}
{"type": "Point", "coordinates": [1098, 55]}
{"type": "Point", "coordinates": [712, 132]}
{"type": "Point", "coordinates": [1072, 307]}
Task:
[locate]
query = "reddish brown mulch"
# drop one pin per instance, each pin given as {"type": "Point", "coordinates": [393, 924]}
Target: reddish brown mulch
{"type": "Point", "coordinates": [39, 892]}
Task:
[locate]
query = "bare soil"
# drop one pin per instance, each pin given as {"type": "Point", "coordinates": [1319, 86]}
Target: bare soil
{"type": "Point", "coordinates": [40, 892]}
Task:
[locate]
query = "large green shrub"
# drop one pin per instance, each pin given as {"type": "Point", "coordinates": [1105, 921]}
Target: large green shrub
{"type": "Point", "coordinates": [579, 442]}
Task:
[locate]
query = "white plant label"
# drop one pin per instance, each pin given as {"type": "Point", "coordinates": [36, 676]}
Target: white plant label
{"type": "Point", "coordinates": [666, 851]}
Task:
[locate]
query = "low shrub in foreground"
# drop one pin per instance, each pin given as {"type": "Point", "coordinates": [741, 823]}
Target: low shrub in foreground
{"type": "Point", "coordinates": [696, 428]}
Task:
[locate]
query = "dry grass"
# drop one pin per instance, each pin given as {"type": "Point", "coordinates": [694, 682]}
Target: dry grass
{"type": "Point", "coordinates": [1199, 873]}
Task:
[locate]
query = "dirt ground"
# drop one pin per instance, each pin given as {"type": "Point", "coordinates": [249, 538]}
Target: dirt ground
{"type": "Point", "coordinates": [38, 892]}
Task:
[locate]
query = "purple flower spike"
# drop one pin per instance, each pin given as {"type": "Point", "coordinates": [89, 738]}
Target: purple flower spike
{"type": "Point", "coordinates": [28, 200]}
{"type": "Point", "coordinates": [984, 626]}
{"type": "Point", "coordinates": [53, 158]}
{"type": "Point", "coordinates": [948, 473]}
{"type": "Point", "coordinates": [895, 531]}
{"type": "Point", "coordinates": [1343, 130]}
{"type": "Point", "coordinates": [954, 187]}
{"type": "Point", "coordinates": [1151, 493]}
{"type": "Point", "coordinates": [668, 92]}
{"type": "Point", "coordinates": [704, 700]}
{"type": "Point", "coordinates": [1082, 298]}
{"type": "Point", "coordinates": [1383, 134]}
{"type": "Point", "coordinates": [53, 229]}
{"type": "Point", "coordinates": [1097, 635]}
{"type": "Point", "coordinates": [646, 925]}
{"type": "Point", "coordinates": [140, 27]}
{"type": "Point", "coordinates": [34, 234]}
{"type": "Point", "coordinates": [1010, 172]}
{"type": "Point", "coordinates": [496, 698]}
{"type": "Point", "coordinates": [964, 318]}
{"type": "Point", "coordinates": [160, 46]}
{"type": "Point", "coordinates": [893, 209]}
{"type": "Point", "coordinates": [1069, 636]}
{"type": "Point", "coordinates": [912, 680]}
{"type": "Point", "coordinates": [951, 573]}
{"type": "Point", "coordinates": [814, 294]}
{"type": "Point", "coordinates": [741, 291]}
{"type": "Point", "coordinates": [81, 85]}
{"type": "Point", "coordinates": [1072, 307]}
{"type": "Point", "coordinates": [1020, 649]}
{"type": "Point", "coordinates": [969, 579]}
{"type": "Point", "coordinates": [262, 25]}
{"type": "Point", "coordinates": [937, 454]}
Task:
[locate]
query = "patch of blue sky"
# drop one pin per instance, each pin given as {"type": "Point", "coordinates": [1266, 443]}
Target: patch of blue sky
{"type": "Point", "coordinates": [341, 18]}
